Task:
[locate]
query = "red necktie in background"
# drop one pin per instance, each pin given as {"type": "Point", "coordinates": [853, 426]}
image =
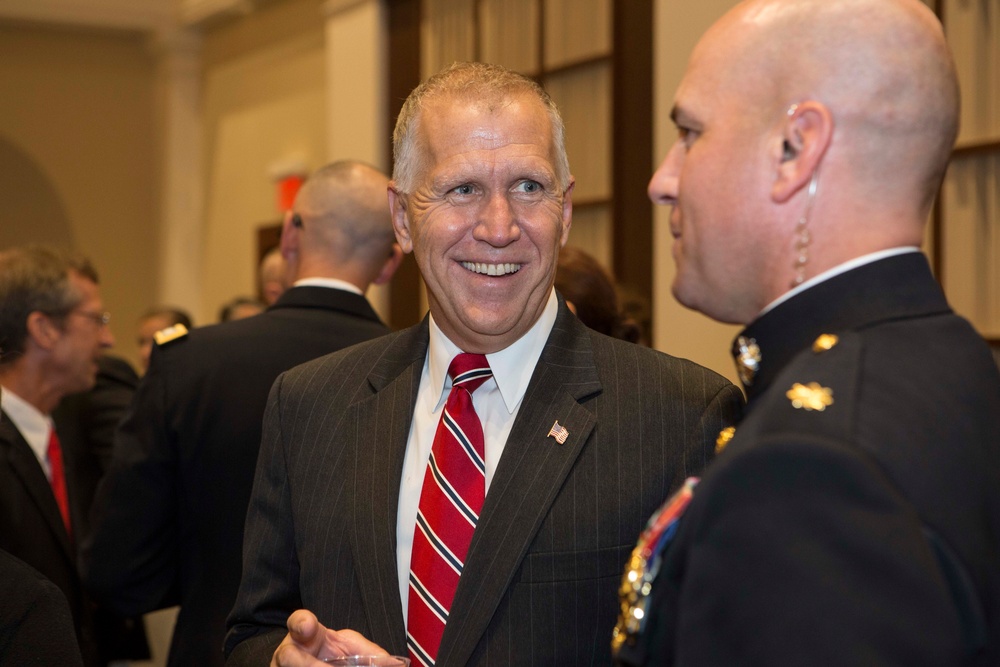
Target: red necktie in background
{"type": "Point", "coordinates": [450, 501]}
{"type": "Point", "coordinates": [58, 480]}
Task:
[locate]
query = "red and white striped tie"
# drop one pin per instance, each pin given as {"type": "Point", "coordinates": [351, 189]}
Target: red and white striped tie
{"type": "Point", "coordinates": [450, 501]}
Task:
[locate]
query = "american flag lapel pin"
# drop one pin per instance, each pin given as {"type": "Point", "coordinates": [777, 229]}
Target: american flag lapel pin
{"type": "Point", "coordinates": [558, 432]}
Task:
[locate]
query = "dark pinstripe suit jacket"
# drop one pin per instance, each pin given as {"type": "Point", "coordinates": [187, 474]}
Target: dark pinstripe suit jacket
{"type": "Point", "coordinates": [540, 581]}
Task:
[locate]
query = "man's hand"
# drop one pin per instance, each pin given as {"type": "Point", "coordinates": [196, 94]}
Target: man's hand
{"type": "Point", "coordinates": [308, 642]}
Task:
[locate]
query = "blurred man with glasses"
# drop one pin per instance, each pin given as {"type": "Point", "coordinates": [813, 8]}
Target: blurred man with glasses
{"type": "Point", "coordinates": [53, 331]}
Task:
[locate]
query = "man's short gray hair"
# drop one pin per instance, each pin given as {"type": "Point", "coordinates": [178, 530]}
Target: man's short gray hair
{"type": "Point", "coordinates": [491, 87]}
{"type": "Point", "coordinates": [35, 278]}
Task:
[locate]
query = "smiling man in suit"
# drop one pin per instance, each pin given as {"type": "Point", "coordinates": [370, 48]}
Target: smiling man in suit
{"type": "Point", "coordinates": [53, 331]}
{"type": "Point", "coordinates": [464, 491]}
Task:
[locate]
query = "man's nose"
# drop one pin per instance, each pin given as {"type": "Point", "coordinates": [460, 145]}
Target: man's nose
{"type": "Point", "coordinates": [497, 223]}
{"type": "Point", "coordinates": [107, 339]}
{"type": "Point", "coordinates": [663, 185]}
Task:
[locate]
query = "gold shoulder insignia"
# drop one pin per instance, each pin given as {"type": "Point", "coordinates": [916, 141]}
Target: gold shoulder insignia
{"type": "Point", "coordinates": [810, 397]}
{"type": "Point", "coordinates": [825, 343]}
{"type": "Point", "coordinates": [725, 435]}
{"type": "Point", "coordinates": [164, 336]}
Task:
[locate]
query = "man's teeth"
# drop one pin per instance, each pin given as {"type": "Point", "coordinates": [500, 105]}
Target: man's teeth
{"type": "Point", "coordinates": [492, 269]}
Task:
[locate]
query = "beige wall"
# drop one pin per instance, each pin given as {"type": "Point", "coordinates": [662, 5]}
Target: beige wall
{"type": "Point", "coordinates": [77, 155]}
{"type": "Point", "coordinates": [679, 331]}
{"type": "Point", "coordinates": [78, 152]}
{"type": "Point", "coordinates": [264, 103]}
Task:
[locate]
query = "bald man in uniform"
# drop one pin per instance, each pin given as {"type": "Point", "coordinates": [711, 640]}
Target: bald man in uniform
{"type": "Point", "coordinates": [854, 516]}
{"type": "Point", "coordinates": [169, 516]}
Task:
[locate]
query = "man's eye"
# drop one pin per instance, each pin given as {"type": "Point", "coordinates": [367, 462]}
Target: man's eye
{"type": "Point", "coordinates": [686, 135]}
{"type": "Point", "coordinates": [529, 186]}
{"type": "Point", "coordinates": [464, 189]}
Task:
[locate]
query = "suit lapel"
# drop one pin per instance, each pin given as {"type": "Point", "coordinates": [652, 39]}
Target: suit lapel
{"type": "Point", "coordinates": [382, 429]}
{"type": "Point", "coordinates": [25, 466]}
{"type": "Point", "coordinates": [528, 478]}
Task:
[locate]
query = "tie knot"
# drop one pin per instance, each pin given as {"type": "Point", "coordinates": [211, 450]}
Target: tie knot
{"type": "Point", "coordinates": [469, 371]}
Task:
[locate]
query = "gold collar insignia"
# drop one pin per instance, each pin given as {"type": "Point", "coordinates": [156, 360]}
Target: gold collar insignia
{"type": "Point", "coordinates": [747, 359]}
{"type": "Point", "coordinates": [810, 397]}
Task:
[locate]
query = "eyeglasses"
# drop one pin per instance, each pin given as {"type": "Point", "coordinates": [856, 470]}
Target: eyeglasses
{"type": "Point", "coordinates": [101, 319]}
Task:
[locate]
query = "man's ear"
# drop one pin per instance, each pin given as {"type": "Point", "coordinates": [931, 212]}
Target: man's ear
{"type": "Point", "coordinates": [799, 150]}
{"type": "Point", "coordinates": [400, 220]}
{"type": "Point", "coordinates": [567, 212]}
{"type": "Point", "coordinates": [390, 266]}
{"type": "Point", "coordinates": [43, 332]}
{"type": "Point", "coordinates": [289, 237]}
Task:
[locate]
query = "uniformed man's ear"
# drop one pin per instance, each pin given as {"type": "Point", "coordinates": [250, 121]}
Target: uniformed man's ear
{"type": "Point", "coordinates": [799, 149]}
{"type": "Point", "coordinates": [400, 219]}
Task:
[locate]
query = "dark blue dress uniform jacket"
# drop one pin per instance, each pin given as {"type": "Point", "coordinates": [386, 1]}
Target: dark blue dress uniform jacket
{"type": "Point", "coordinates": [867, 533]}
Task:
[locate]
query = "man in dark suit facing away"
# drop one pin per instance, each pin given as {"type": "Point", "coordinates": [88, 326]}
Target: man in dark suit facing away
{"type": "Point", "coordinates": [53, 331]}
{"type": "Point", "coordinates": [168, 519]}
{"type": "Point", "coordinates": [492, 536]}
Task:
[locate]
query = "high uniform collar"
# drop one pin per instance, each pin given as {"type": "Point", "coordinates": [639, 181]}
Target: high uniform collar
{"type": "Point", "coordinates": [892, 288]}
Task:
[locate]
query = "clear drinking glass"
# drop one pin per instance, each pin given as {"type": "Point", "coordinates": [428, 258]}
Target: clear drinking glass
{"type": "Point", "coordinates": [369, 661]}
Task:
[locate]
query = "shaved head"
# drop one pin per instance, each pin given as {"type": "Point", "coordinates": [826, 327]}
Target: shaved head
{"type": "Point", "coordinates": [882, 67]}
{"type": "Point", "coordinates": [345, 204]}
{"type": "Point", "coordinates": [812, 132]}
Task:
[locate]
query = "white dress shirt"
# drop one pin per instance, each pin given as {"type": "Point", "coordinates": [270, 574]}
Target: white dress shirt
{"type": "Point", "coordinates": [496, 401]}
{"type": "Point", "coordinates": [34, 427]}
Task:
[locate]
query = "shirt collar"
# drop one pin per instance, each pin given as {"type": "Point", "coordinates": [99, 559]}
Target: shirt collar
{"type": "Point", "coordinates": [512, 366]}
{"type": "Point", "coordinates": [33, 426]}
{"type": "Point", "coordinates": [329, 282]}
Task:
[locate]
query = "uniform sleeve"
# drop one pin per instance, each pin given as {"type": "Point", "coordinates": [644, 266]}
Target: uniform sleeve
{"type": "Point", "coordinates": [803, 553]}
{"type": "Point", "coordinates": [130, 562]}
{"type": "Point", "coordinates": [269, 589]}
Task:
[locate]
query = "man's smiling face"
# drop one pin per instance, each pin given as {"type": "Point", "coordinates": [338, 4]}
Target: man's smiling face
{"type": "Point", "coordinates": [486, 218]}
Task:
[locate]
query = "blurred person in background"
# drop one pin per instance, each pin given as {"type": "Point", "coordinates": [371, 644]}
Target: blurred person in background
{"type": "Point", "coordinates": [53, 332]}
{"type": "Point", "coordinates": [169, 516]}
{"type": "Point", "coordinates": [241, 307]}
{"type": "Point", "coordinates": [591, 294]}
{"type": "Point", "coordinates": [273, 276]}
{"type": "Point", "coordinates": [153, 320]}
